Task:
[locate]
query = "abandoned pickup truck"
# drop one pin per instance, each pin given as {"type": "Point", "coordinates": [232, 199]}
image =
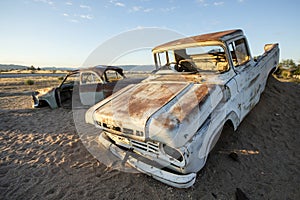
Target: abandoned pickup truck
{"type": "Point", "coordinates": [90, 85]}
{"type": "Point", "coordinates": [166, 125]}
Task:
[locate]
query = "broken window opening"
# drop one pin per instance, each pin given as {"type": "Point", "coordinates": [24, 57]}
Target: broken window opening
{"type": "Point", "coordinates": [239, 52]}
{"type": "Point", "coordinates": [90, 78]}
{"type": "Point", "coordinates": [112, 76]}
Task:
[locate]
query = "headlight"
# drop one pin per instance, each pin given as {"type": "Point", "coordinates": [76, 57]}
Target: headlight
{"type": "Point", "coordinates": [172, 152]}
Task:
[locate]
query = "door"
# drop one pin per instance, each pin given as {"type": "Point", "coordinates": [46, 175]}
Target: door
{"type": "Point", "coordinates": [64, 92]}
{"type": "Point", "coordinates": [112, 78]}
{"type": "Point", "coordinates": [90, 88]}
{"type": "Point", "coordinates": [248, 76]}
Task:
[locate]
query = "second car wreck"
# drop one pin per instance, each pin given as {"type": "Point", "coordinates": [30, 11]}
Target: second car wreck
{"type": "Point", "coordinates": [89, 86]}
{"type": "Point", "coordinates": [166, 125]}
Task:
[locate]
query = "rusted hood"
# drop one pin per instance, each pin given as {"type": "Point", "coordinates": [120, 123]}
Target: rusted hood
{"type": "Point", "coordinates": [152, 109]}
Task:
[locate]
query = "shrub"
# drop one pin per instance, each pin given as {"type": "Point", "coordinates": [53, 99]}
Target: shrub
{"type": "Point", "coordinates": [29, 82]}
{"type": "Point", "coordinates": [285, 74]}
{"type": "Point", "coordinates": [297, 71]}
{"type": "Point", "coordinates": [60, 78]}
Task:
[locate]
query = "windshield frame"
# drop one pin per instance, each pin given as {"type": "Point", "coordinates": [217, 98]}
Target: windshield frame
{"type": "Point", "coordinates": [157, 55]}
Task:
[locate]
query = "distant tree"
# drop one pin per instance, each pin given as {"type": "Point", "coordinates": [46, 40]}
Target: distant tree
{"type": "Point", "coordinates": [287, 69]}
{"type": "Point", "coordinates": [288, 63]}
{"type": "Point", "coordinates": [297, 71]}
{"type": "Point", "coordinates": [38, 68]}
{"type": "Point", "coordinates": [285, 65]}
{"type": "Point", "coordinates": [32, 67]}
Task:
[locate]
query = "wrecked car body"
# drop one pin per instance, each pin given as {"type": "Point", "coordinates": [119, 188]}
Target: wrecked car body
{"type": "Point", "coordinates": [166, 125]}
{"type": "Point", "coordinates": [90, 85]}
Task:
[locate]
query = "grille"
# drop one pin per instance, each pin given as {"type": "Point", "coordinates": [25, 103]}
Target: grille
{"type": "Point", "coordinates": [124, 130]}
{"type": "Point", "coordinates": [139, 146]}
{"type": "Point", "coordinates": [145, 146]}
{"type": "Point", "coordinates": [148, 149]}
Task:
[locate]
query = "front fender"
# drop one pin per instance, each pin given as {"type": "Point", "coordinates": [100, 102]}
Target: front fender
{"type": "Point", "coordinates": [49, 97]}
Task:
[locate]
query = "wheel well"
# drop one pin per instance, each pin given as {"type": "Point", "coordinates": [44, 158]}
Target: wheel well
{"type": "Point", "coordinates": [220, 140]}
{"type": "Point", "coordinates": [43, 103]}
{"type": "Point", "coordinates": [272, 71]}
{"type": "Point", "coordinates": [229, 124]}
{"type": "Point", "coordinates": [232, 120]}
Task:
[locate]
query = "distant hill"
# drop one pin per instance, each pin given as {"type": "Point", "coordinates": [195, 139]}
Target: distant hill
{"type": "Point", "coordinates": [23, 67]}
{"type": "Point", "coordinates": [58, 68]}
{"type": "Point", "coordinates": [137, 68]}
{"type": "Point", "coordinates": [12, 66]}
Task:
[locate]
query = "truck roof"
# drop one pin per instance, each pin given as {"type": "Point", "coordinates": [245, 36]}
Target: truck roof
{"type": "Point", "coordinates": [217, 36]}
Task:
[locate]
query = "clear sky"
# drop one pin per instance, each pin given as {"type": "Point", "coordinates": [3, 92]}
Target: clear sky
{"type": "Point", "coordinates": [64, 33]}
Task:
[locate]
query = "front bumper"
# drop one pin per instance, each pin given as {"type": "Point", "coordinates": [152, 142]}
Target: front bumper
{"type": "Point", "coordinates": [169, 178]}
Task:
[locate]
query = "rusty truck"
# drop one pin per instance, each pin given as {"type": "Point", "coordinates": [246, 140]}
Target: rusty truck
{"type": "Point", "coordinates": [166, 125]}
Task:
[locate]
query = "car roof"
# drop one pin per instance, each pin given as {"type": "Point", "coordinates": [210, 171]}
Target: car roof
{"type": "Point", "coordinates": [217, 36]}
{"type": "Point", "coordinates": [99, 69]}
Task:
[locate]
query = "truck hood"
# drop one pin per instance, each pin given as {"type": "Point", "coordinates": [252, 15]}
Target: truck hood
{"type": "Point", "coordinates": [169, 112]}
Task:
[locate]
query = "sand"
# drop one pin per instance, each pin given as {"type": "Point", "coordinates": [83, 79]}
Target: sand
{"type": "Point", "coordinates": [42, 156]}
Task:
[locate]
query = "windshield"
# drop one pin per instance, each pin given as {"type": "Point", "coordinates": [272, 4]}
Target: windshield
{"type": "Point", "coordinates": [194, 59]}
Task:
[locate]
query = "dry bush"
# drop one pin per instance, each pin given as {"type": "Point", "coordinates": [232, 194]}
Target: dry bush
{"type": "Point", "coordinates": [29, 82]}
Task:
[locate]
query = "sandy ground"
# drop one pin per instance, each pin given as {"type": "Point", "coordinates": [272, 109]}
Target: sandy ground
{"type": "Point", "coordinates": [42, 157]}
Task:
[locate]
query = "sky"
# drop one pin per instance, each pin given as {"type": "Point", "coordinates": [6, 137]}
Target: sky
{"type": "Point", "coordinates": [64, 33]}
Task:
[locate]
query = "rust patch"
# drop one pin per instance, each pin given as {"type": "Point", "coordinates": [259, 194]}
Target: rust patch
{"type": "Point", "coordinates": [200, 92]}
{"type": "Point", "coordinates": [183, 109]}
{"type": "Point", "coordinates": [170, 122]}
{"type": "Point", "coordinates": [148, 98]}
{"type": "Point", "coordinates": [193, 78]}
{"type": "Point", "coordinates": [194, 98]}
{"type": "Point", "coordinates": [199, 38]}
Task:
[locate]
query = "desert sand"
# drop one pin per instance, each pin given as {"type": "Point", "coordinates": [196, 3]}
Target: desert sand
{"type": "Point", "coordinates": [42, 156]}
